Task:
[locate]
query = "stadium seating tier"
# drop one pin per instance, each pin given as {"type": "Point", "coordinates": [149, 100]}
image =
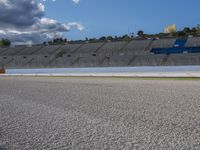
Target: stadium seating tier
{"type": "Point", "coordinates": [150, 52]}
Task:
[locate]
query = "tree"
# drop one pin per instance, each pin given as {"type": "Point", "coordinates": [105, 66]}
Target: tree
{"type": "Point", "coordinates": [103, 38]}
{"type": "Point", "coordinates": [180, 34]}
{"type": "Point", "coordinates": [92, 40]}
{"type": "Point", "coordinates": [65, 40]}
{"type": "Point", "coordinates": [4, 42]}
{"type": "Point", "coordinates": [194, 30]}
{"type": "Point", "coordinates": [50, 42]}
{"type": "Point", "coordinates": [126, 38]}
{"type": "Point", "coordinates": [186, 30]}
{"type": "Point", "coordinates": [110, 38]}
{"type": "Point", "coordinates": [140, 33]}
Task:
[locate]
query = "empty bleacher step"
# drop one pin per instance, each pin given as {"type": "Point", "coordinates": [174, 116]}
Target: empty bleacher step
{"type": "Point", "coordinates": [76, 49]}
{"type": "Point", "coordinates": [102, 62]}
{"type": "Point", "coordinates": [150, 45]}
{"type": "Point", "coordinates": [60, 54]}
{"type": "Point", "coordinates": [18, 51]}
{"type": "Point", "coordinates": [164, 61]}
{"type": "Point", "coordinates": [38, 49]}
{"type": "Point", "coordinates": [124, 46]}
{"type": "Point", "coordinates": [57, 50]}
{"type": "Point", "coordinates": [8, 62]}
{"type": "Point", "coordinates": [3, 51]}
{"type": "Point", "coordinates": [97, 50]}
{"type": "Point", "coordinates": [75, 61]}
{"type": "Point", "coordinates": [28, 62]}
{"type": "Point", "coordinates": [51, 61]}
{"type": "Point", "coordinates": [131, 60]}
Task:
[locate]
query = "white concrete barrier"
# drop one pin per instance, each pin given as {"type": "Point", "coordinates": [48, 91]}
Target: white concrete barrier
{"type": "Point", "coordinates": [180, 71]}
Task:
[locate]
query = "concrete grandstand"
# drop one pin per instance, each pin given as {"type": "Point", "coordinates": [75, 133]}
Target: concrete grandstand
{"type": "Point", "coordinates": [150, 52]}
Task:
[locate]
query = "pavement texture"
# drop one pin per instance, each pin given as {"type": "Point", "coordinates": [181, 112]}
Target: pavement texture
{"type": "Point", "coordinates": [98, 113]}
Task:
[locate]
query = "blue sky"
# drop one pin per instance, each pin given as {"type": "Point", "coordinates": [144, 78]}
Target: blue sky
{"type": "Point", "coordinates": [117, 17]}
{"type": "Point", "coordinates": [36, 21]}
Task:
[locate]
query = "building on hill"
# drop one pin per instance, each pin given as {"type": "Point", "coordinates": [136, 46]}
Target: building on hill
{"type": "Point", "coordinates": [170, 29]}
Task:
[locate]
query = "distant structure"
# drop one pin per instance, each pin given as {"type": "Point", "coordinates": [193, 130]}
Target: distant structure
{"type": "Point", "coordinates": [198, 26]}
{"type": "Point", "coordinates": [2, 69]}
{"type": "Point", "coordinates": [170, 29]}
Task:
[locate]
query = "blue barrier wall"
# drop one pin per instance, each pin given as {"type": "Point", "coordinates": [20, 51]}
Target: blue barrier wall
{"type": "Point", "coordinates": [179, 48]}
{"type": "Point", "coordinates": [180, 42]}
{"type": "Point", "coordinates": [176, 50]}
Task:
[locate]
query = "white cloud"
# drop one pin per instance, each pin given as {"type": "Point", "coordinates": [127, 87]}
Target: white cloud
{"type": "Point", "coordinates": [76, 1]}
{"type": "Point", "coordinates": [23, 20]}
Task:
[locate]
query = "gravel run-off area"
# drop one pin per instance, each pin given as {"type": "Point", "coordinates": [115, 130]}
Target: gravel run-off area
{"type": "Point", "coordinates": [99, 113]}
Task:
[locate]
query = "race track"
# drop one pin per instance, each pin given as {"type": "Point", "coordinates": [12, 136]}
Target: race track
{"type": "Point", "coordinates": [99, 113]}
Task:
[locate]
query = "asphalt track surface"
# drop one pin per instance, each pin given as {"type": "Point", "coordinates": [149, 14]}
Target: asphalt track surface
{"type": "Point", "coordinates": [98, 113]}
